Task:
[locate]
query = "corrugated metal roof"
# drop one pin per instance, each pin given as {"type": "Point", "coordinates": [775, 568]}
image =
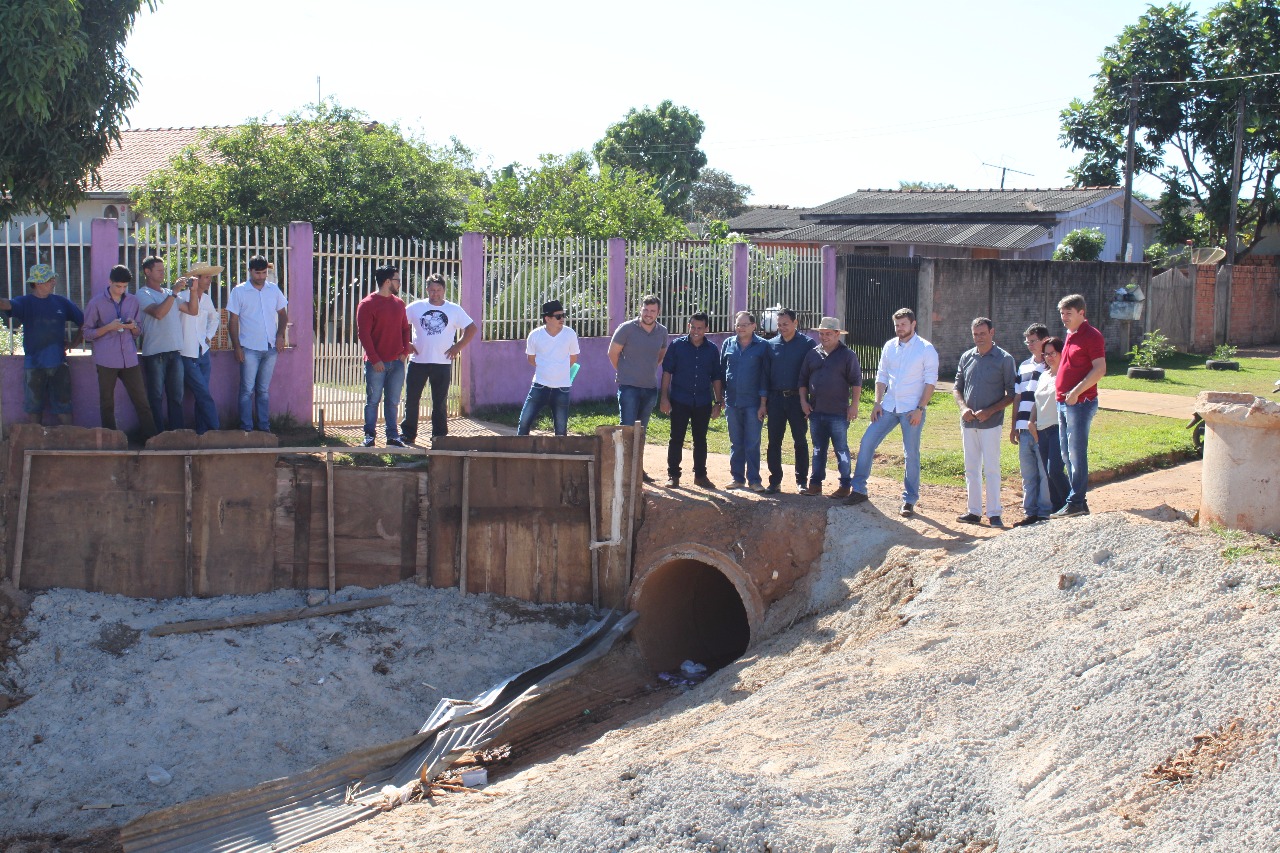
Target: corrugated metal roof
{"type": "Point", "coordinates": [984, 235]}
{"type": "Point", "coordinates": [767, 219]}
{"type": "Point", "coordinates": [884, 202]}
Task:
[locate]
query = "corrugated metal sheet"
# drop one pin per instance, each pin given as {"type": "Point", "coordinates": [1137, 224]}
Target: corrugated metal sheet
{"type": "Point", "coordinates": [964, 201]}
{"type": "Point", "coordinates": [985, 235]}
{"type": "Point", "coordinates": [287, 813]}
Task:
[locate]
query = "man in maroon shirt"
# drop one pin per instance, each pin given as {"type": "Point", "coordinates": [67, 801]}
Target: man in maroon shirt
{"type": "Point", "coordinates": [1084, 362]}
{"type": "Point", "coordinates": [384, 333]}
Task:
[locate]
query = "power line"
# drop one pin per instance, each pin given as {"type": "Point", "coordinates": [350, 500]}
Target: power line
{"type": "Point", "coordinates": [1214, 80]}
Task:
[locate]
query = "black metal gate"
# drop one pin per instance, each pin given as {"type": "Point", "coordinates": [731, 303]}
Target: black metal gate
{"type": "Point", "coordinates": [874, 287]}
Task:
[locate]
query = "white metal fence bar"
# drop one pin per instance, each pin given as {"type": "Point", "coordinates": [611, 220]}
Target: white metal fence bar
{"type": "Point", "coordinates": [687, 276]}
{"type": "Point", "coordinates": [787, 276]}
{"type": "Point", "coordinates": [522, 273]}
{"type": "Point", "coordinates": [344, 267]}
{"type": "Point", "coordinates": [62, 245]}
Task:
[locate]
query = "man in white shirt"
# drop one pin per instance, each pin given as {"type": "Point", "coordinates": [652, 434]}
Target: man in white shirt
{"type": "Point", "coordinates": [200, 321]}
{"type": "Point", "coordinates": [905, 380]}
{"type": "Point", "coordinates": [434, 322]}
{"type": "Point", "coordinates": [552, 349]}
{"type": "Point", "coordinates": [256, 320]}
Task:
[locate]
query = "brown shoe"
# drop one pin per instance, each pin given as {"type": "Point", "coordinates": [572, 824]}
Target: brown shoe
{"type": "Point", "coordinates": [812, 489]}
{"type": "Point", "coordinates": [703, 483]}
{"type": "Point", "coordinates": [672, 483]}
{"type": "Point", "coordinates": [840, 493]}
{"type": "Point", "coordinates": [856, 498]}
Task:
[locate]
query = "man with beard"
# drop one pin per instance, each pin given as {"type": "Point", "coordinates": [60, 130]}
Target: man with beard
{"type": "Point", "coordinates": [384, 335]}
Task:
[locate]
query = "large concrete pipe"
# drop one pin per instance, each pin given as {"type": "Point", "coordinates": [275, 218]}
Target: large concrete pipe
{"type": "Point", "coordinates": [695, 603]}
{"type": "Point", "coordinates": [1241, 475]}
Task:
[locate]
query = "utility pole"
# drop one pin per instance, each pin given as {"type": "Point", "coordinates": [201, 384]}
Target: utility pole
{"type": "Point", "coordinates": [1134, 86]}
{"type": "Point", "coordinates": [1004, 169]}
{"type": "Point", "coordinates": [1236, 159]}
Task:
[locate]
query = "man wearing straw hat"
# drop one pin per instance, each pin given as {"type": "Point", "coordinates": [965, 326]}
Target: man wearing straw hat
{"type": "Point", "coordinates": [830, 384]}
{"type": "Point", "coordinates": [200, 321]}
{"type": "Point", "coordinates": [44, 315]}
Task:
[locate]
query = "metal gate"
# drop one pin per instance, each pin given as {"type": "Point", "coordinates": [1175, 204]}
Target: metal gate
{"type": "Point", "coordinates": [874, 287]}
{"type": "Point", "coordinates": [344, 269]}
{"type": "Point", "coordinates": [1170, 305]}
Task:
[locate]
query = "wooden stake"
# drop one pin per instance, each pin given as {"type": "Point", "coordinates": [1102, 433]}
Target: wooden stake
{"type": "Point", "coordinates": [190, 579]}
{"type": "Point", "coordinates": [22, 520]}
{"type": "Point", "coordinates": [271, 617]}
{"type": "Point", "coordinates": [466, 513]}
{"type": "Point", "coordinates": [328, 490]}
{"type": "Point", "coordinates": [595, 558]}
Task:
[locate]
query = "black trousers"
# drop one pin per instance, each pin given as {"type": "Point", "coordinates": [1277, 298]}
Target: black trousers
{"type": "Point", "coordinates": [785, 411]}
{"type": "Point", "coordinates": [681, 417]}
{"type": "Point", "coordinates": [439, 375]}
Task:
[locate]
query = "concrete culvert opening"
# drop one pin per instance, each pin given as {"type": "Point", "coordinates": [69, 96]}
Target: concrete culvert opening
{"type": "Point", "coordinates": [689, 610]}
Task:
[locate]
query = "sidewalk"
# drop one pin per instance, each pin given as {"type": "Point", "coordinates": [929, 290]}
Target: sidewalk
{"type": "Point", "coordinates": [1138, 402]}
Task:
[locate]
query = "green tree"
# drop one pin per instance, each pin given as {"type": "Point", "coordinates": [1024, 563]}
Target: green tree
{"type": "Point", "coordinates": [715, 195]}
{"type": "Point", "coordinates": [64, 89]}
{"type": "Point", "coordinates": [565, 197]}
{"type": "Point", "coordinates": [328, 165]}
{"type": "Point", "coordinates": [661, 143]}
{"type": "Point", "coordinates": [1186, 130]}
{"type": "Point", "coordinates": [1082, 244]}
{"type": "Point", "coordinates": [924, 185]}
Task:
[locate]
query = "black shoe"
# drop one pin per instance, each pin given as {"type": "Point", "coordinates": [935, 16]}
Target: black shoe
{"type": "Point", "coordinates": [907, 510]}
{"type": "Point", "coordinates": [369, 441]}
{"type": "Point", "coordinates": [647, 479]}
{"type": "Point", "coordinates": [855, 498]}
{"type": "Point", "coordinates": [996, 521]}
{"type": "Point", "coordinates": [772, 489]}
{"type": "Point", "coordinates": [395, 442]}
{"type": "Point", "coordinates": [1070, 511]}
{"type": "Point", "coordinates": [1030, 520]}
{"type": "Point", "coordinates": [969, 518]}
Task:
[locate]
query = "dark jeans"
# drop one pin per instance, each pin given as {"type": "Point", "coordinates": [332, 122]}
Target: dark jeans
{"type": "Point", "coordinates": [136, 389]}
{"type": "Point", "coordinates": [195, 375]}
{"type": "Point", "coordinates": [163, 375]}
{"type": "Point", "coordinates": [785, 412]}
{"type": "Point", "coordinates": [541, 396]}
{"type": "Point", "coordinates": [681, 417]}
{"type": "Point", "coordinates": [1051, 453]}
{"type": "Point", "coordinates": [439, 375]}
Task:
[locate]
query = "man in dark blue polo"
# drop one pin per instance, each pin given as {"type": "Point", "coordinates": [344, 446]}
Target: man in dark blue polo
{"type": "Point", "coordinates": [692, 385]}
{"type": "Point", "coordinates": [786, 354]}
{"type": "Point", "coordinates": [830, 387]}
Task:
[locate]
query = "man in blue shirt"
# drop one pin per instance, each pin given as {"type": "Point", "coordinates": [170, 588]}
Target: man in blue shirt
{"type": "Point", "coordinates": [692, 381]}
{"type": "Point", "coordinates": [44, 315]}
{"type": "Point", "coordinates": [786, 354]}
{"type": "Point", "coordinates": [746, 397]}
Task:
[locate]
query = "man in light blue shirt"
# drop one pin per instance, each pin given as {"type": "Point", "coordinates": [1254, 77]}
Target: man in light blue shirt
{"type": "Point", "coordinates": [162, 344]}
{"type": "Point", "coordinates": [905, 380]}
{"type": "Point", "coordinates": [256, 320]}
{"type": "Point", "coordinates": [746, 383]}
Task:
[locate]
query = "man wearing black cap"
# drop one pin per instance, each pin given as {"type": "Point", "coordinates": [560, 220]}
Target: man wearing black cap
{"type": "Point", "coordinates": [552, 349]}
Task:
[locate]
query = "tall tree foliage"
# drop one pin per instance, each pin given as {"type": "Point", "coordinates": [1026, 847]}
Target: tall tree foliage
{"type": "Point", "coordinates": [565, 197]}
{"type": "Point", "coordinates": [64, 89]}
{"type": "Point", "coordinates": [716, 195]}
{"type": "Point", "coordinates": [1186, 130]}
{"type": "Point", "coordinates": [328, 165]}
{"type": "Point", "coordinates": [661, 143]}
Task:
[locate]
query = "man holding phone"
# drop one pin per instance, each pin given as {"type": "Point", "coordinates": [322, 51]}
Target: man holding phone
{"type": "Point", "coordinates": [161, 344]}
{"type": "Point", "coordinates": [111, 327]}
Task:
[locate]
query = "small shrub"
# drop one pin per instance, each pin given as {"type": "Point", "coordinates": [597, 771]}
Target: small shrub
{"type": "Point", "coordinates": [1151, 350]}
{"type": "Point", "coordinates": [1224, 352]}
{"type": "Point", "coordinates": [1082, 244]}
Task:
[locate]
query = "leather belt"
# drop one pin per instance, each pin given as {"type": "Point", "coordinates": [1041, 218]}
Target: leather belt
{"type": "Point", "coordinates": [789, 392]}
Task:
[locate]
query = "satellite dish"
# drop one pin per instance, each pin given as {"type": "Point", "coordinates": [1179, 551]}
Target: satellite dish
{"type": "Point", "coordinates": [1207, 255]}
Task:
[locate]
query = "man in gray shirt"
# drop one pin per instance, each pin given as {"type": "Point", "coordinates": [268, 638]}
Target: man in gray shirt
{"type": "Point", "coordinates": [636, 352]}
{"type": "Point", "coordinates": [985, 383]}
{"type": "Point", "coordinates": [162, 344]}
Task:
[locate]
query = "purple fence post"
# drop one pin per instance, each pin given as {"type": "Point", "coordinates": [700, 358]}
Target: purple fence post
{"type": "Point", "coordinates": [104, 253]}
{"type": "Point", "coordinates": [302, 300]}
{"type": "Point", "coordinates": [741, 258]}
{"type": "Point", "coordinates": [471, 298]}
{"type": "Point", "coordinates": [829, 307]}
{"type": "Point", "coordinates": [617, 306]}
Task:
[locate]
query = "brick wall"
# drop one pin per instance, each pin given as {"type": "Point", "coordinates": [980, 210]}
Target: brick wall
{"type": "Point", "coordinates": [1255, 303]}
{"type": "Point", "coordinates": [1206, 281]}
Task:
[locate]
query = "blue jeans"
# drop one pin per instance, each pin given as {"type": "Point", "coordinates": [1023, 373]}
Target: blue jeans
{"type": "Point", "coordinates": [195, 375]}
{"type": "Point", "coordinates": [833, 429]}
{"type": "Point", "coordinates": [1054, 468]}
{"type": "Point", "coordinates": [255, 380]}
{"type": "Point", "coordinates": [744, 443]}
{"type": "Point", "coordinates": [876, 432]}
{"type": "Point", "coordinates": [385, 386]}
{"type": "Point", "coordinates": [162, 373]}
{"type": "Point", "coordinates": [1073, 429]}
{"type": "Point", "coordinates": [539, 397]}
{"type": "Point", "coordinates": [636, 404]}
{"type": "Point", "coordinates": [1035, 481]}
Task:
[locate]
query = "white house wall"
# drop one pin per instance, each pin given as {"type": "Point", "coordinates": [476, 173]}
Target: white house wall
{"type": "Point", "coordinates": [1108, 217]}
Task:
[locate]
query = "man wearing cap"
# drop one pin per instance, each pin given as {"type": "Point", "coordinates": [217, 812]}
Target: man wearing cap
{"type": "Point", "coordinates": [257, 314]}
{"type": "Point", "coordinates": [905, 380]}
{"type": "Point", "coordinates": [787, 352]}
{"type": "Point", "coordinates": [435, 323]}
{"type": "Point", "coordinates": [746, 400]}
{"type": "Point", "coordinates": [986, 379]}
{"type": "Point", "coordinates": [692, 393]}
{"type": "Point", "coordinates": [200, 321]}
{"type": "Point", "coordinates": [383, 328]}
{"type": "Point", "coordinates": [111, 327]}
{"type": "Point", "coordinates": [161, 344]}
{"type": "Point", "coordinates": [44, 315]}
{"type": "Point", "coordinates": [552, 349]}
{"type": "Point", "coordinates": [830, 384]}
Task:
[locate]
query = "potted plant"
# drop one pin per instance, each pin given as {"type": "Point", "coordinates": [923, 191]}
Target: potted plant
{"type": "Point", "coordinates": [1145, 355]}
{"type": "Point", "coordinates": [1223, 358]}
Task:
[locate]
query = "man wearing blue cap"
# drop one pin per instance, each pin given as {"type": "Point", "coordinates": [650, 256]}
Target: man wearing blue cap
{"type": "Point", "coordinates": [44, 315]}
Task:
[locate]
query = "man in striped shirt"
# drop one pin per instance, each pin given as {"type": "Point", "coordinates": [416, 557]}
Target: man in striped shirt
{"type": "Point", "coordinates": [1035, 482]}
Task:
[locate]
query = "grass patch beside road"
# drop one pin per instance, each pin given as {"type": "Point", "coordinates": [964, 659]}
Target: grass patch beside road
{"type": "Point", "coordinates": [1185, 374]}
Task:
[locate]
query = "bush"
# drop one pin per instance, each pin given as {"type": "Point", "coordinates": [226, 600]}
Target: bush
{"type": "Point", "coordinates": [1151, 350]}
{"type": "Point", "coordinates": [1082, 244]}
{"type": "Point", "coordinates": [1224, 352]}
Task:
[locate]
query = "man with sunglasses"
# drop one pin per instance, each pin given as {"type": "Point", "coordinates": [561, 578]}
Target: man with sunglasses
{"type": "Point", "coordinates": [552, 349]}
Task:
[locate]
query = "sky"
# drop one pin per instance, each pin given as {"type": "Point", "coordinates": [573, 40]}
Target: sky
{"type": "Point", "coordinates": [803, 103]}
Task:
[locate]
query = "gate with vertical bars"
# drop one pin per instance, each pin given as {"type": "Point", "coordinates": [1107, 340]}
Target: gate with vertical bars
{"type": "Point", "coordinates": [874, 287]}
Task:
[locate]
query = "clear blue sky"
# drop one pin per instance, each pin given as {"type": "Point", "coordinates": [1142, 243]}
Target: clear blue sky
{"type": "Point", "coordinates": [803, 102]}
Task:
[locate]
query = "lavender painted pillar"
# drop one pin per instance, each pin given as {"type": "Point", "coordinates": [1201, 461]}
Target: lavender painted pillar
{"type": "Point", "coordinates": [741, 259]}
{"type": "Point", "coordinates": [617, 282]}
{"type": "Point", "coordinates": [471, 298]}
{"type": "Point", "coordinates": [104, 253]}
{"type": "Point", "coordinates": [302, 312]}
{"type": "Point", "coordinates": [829, 307]}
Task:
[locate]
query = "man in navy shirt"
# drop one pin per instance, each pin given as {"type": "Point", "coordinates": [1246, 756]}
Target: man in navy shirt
{"type": "Point", "coordinates": [692, 382]}
{"type": "Point", "coordinates": [786, 354]}
{"type": "Point", "coordinates": [44, 315]}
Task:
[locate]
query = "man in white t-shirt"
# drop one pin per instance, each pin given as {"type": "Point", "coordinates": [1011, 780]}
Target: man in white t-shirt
{"type": "Point", "coordinates": [435, 323]}
{"type": "Point", "coordinates": [200, 322]}
{"type": "Point", "coordinates": [552, 349]}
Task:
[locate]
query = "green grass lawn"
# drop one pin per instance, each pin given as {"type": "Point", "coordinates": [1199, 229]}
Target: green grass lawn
{"type": "Point", "coordinates": [1117, 439]}
{"type": "Point", "coordinates": [1186, 374]}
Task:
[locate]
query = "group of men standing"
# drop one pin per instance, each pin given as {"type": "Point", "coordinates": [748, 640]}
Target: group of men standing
{"type": "Point", "coordinates": [175, 327]}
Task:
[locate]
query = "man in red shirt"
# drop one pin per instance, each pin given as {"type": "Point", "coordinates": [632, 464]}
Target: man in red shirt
{"type": "Point", "coordinates": [1084, 362]}
{"type": "Point", "coordinates": [384, 333]}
